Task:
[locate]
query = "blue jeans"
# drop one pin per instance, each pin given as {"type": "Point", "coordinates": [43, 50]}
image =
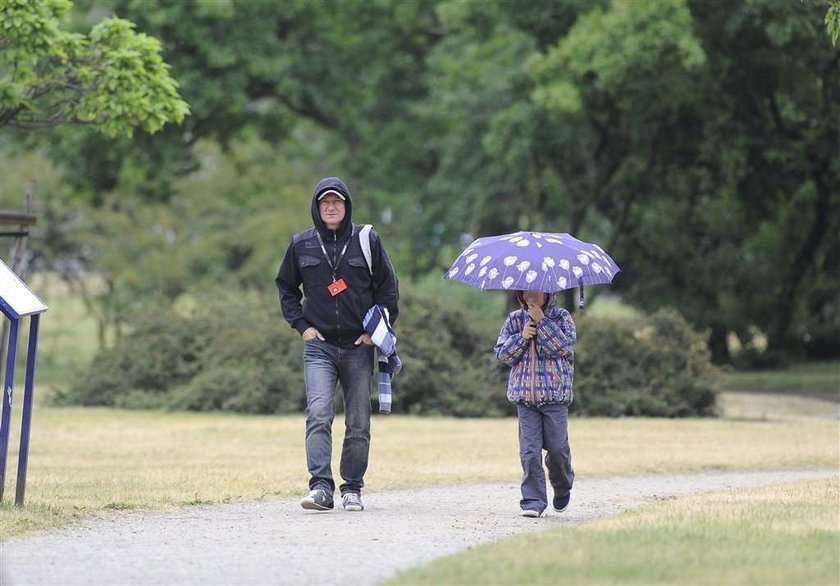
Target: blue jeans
{"type": "Point", "coordinates": [325, 365]}
{"type": "Point", "coordinates": [544, 428]}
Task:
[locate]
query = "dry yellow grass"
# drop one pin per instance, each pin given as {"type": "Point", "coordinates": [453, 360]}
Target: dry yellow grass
{"type": "Point", "coordinates": [797, 507]}
{"type": "Point", "coordinates": [89, 461]}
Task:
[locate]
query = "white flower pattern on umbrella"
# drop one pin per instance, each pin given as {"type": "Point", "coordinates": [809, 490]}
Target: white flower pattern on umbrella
{"type": "Point", "coordinates": [542, 262]}
{"type": "Point", "coordinates": [547, 263]}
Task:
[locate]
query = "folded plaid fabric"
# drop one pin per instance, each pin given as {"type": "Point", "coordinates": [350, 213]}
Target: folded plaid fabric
{"type": "Point", "coordinates": [378, 327]}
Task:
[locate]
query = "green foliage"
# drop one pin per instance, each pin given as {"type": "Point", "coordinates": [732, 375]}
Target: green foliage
{"type": "Point", "coordinates": [448, 362]}
{"type": "Point", "coordinates": [832, 21]}
{"type": "Point", "coordinates": [623, 57]}
{"type": "Point", "coordinates": [244, 359]}
{"type": "Point", "coordinates": [114, 79]}
{"type": "Point", "coordinates": [654, 366]}
{"type": "Point", "coordinates": [695, 141]}
{"type": "Point", "coordinates": [247, 360]}
{"type": "Point", "coordinates": [164, 351]}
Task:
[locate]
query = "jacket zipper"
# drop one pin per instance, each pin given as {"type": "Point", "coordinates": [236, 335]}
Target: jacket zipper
{"type": "Point", "coordinates": [335, 274]}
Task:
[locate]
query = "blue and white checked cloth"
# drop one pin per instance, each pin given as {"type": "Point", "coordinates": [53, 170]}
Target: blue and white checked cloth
{"type": "Point", "coordinates": [378, 327]}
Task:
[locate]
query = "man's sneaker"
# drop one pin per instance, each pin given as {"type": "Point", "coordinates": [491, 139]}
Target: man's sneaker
{"type": "Point", "coordinates": [317, 500]}
{"type": "Point", "coordinates": [352, 501]}
{"type": "Point", "coordinates": [561, 502]}
{"type": "Point", "coordinates": [531, 513]}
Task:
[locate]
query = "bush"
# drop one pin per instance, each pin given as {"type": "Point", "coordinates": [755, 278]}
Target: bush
{"type": "Point", "coordinates": [448, 362]}
{"type": "Point", "coordinates": [654, 366]}
{"type": "Point", "coordinates": [163, 351]}
{"type": "Point", "coordinates": [252, 362]}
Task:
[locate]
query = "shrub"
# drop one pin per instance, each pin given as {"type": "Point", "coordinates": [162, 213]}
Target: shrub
{"type": "Point", "coordinates": [162, 351]}
{"type": "Point", "coordinates": [250, 361]}
{"type": "Point", "coordinates": [654, 366]}
{"type": "Point", "coordinates": [448, 362]}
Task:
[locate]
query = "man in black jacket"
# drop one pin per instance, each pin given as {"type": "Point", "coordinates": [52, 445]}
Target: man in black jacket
{"type": "Point", "coordinates": [338, 289]}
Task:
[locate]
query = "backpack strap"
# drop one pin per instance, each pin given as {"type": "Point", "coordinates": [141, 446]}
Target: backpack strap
{"type": "Point", "coordinates": [364, 240]}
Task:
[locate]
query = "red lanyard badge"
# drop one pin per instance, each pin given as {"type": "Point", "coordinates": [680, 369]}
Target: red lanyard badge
{"type": "Point", "coordinates": [336, 287]}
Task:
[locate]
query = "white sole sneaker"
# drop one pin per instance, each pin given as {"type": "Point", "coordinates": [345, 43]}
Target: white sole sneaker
{"type": "Point", "coordinates": [311, 505]}
{"type": "Point", "coordinates": [308, 502]}
{"type": "Point", "coordinates": [352, 502]}
{"type": "Point", "coordinates": [530, 513]}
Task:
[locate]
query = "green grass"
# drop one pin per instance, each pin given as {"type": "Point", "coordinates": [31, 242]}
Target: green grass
{"type": "Point", "coordinates": [816, 379]}
{"type": "Point", "coordinates": [783, 534]}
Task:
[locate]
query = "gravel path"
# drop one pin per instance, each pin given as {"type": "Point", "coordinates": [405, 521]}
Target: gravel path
{"type": "Point", "coordinates": [279, 543]}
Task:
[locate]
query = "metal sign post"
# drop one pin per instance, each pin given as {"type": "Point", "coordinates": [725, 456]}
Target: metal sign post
{"type": "Point", "coordinates": [18, 301]}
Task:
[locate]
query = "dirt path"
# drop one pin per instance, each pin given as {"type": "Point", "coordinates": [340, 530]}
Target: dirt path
{"type": "Point", "coordinates": [279, 543]}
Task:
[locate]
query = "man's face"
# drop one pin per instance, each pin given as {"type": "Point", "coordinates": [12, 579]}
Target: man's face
{"type": "Point", "coordinates": [332, 211]}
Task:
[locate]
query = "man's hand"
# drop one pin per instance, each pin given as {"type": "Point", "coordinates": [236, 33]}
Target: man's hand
{"type": "Point", "coordinates": [536, 312]}
{"type": "Point", "coordinates": [530, 331]}
{"type": "Point", "coordinates": [364, 339]}
{"type": "Point", "coordinates": [311, 333]}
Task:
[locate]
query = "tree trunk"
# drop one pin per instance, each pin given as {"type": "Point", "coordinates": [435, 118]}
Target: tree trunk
{"type": "Point", "coordinates": [803, 261]}
{"type": "Point", "coordinates": [718, 346]}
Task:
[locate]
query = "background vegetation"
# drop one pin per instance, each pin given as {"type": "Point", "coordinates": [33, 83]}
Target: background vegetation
{"type": "Point", "coordinates": [695, 143]}
{"type": "Point", "coordinates": [175, 144]}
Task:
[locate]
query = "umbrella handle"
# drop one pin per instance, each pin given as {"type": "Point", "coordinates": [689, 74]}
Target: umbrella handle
{"type": "Point", "coordinates": [580, 290]}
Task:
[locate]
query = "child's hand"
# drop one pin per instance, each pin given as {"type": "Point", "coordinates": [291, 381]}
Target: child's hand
{"type": "Point", "coordinates": [536, 312]}
{"type": "Point", "coordinates": [530, 330]}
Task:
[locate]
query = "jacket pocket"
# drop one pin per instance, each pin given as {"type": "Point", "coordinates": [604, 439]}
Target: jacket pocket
{"type": "Point", "coordinates": [359, 275]}
{"type": "Point", "coordinates": [308, 261]}
{"type": "Point", "coordinates": [357, 262]}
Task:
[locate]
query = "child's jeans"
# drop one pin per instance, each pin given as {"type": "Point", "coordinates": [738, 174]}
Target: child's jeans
{"type": "Point", "coordinates": [544, 427]}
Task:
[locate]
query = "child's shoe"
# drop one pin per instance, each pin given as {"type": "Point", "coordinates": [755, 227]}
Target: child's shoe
{"type": "Point", "coordinates": [560, 503]}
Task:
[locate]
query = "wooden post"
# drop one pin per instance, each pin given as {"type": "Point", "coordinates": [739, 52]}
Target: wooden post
{"type": "Point", "coordinates": [18, 264]}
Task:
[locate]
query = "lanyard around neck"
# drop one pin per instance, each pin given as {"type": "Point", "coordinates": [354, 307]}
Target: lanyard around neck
{"type": "Point", "coordinates": [340, 256]}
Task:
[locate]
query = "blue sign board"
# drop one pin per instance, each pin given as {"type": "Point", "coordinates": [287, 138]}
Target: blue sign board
{"type": "Point", "coordinates": [16, 301]}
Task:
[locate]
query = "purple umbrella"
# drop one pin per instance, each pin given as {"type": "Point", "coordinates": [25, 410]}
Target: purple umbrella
{"type": "Point", "coordinates": [532, 261]}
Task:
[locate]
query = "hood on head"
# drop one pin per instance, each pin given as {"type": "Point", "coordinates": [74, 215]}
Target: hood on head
{"type": "Point", "coordinates": [338, 186]}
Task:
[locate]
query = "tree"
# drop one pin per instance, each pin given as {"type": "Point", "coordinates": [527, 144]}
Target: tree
{"type": "Point", "coordinates": [344, 67]}
{"type": "Point", "coordinates": [832, 20]}
{"type": "Point", "coordinates": [114, 79]}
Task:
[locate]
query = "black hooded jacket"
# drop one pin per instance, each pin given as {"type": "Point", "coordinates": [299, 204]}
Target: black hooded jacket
{"type": "Point", "coordinates": [338, 318]}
